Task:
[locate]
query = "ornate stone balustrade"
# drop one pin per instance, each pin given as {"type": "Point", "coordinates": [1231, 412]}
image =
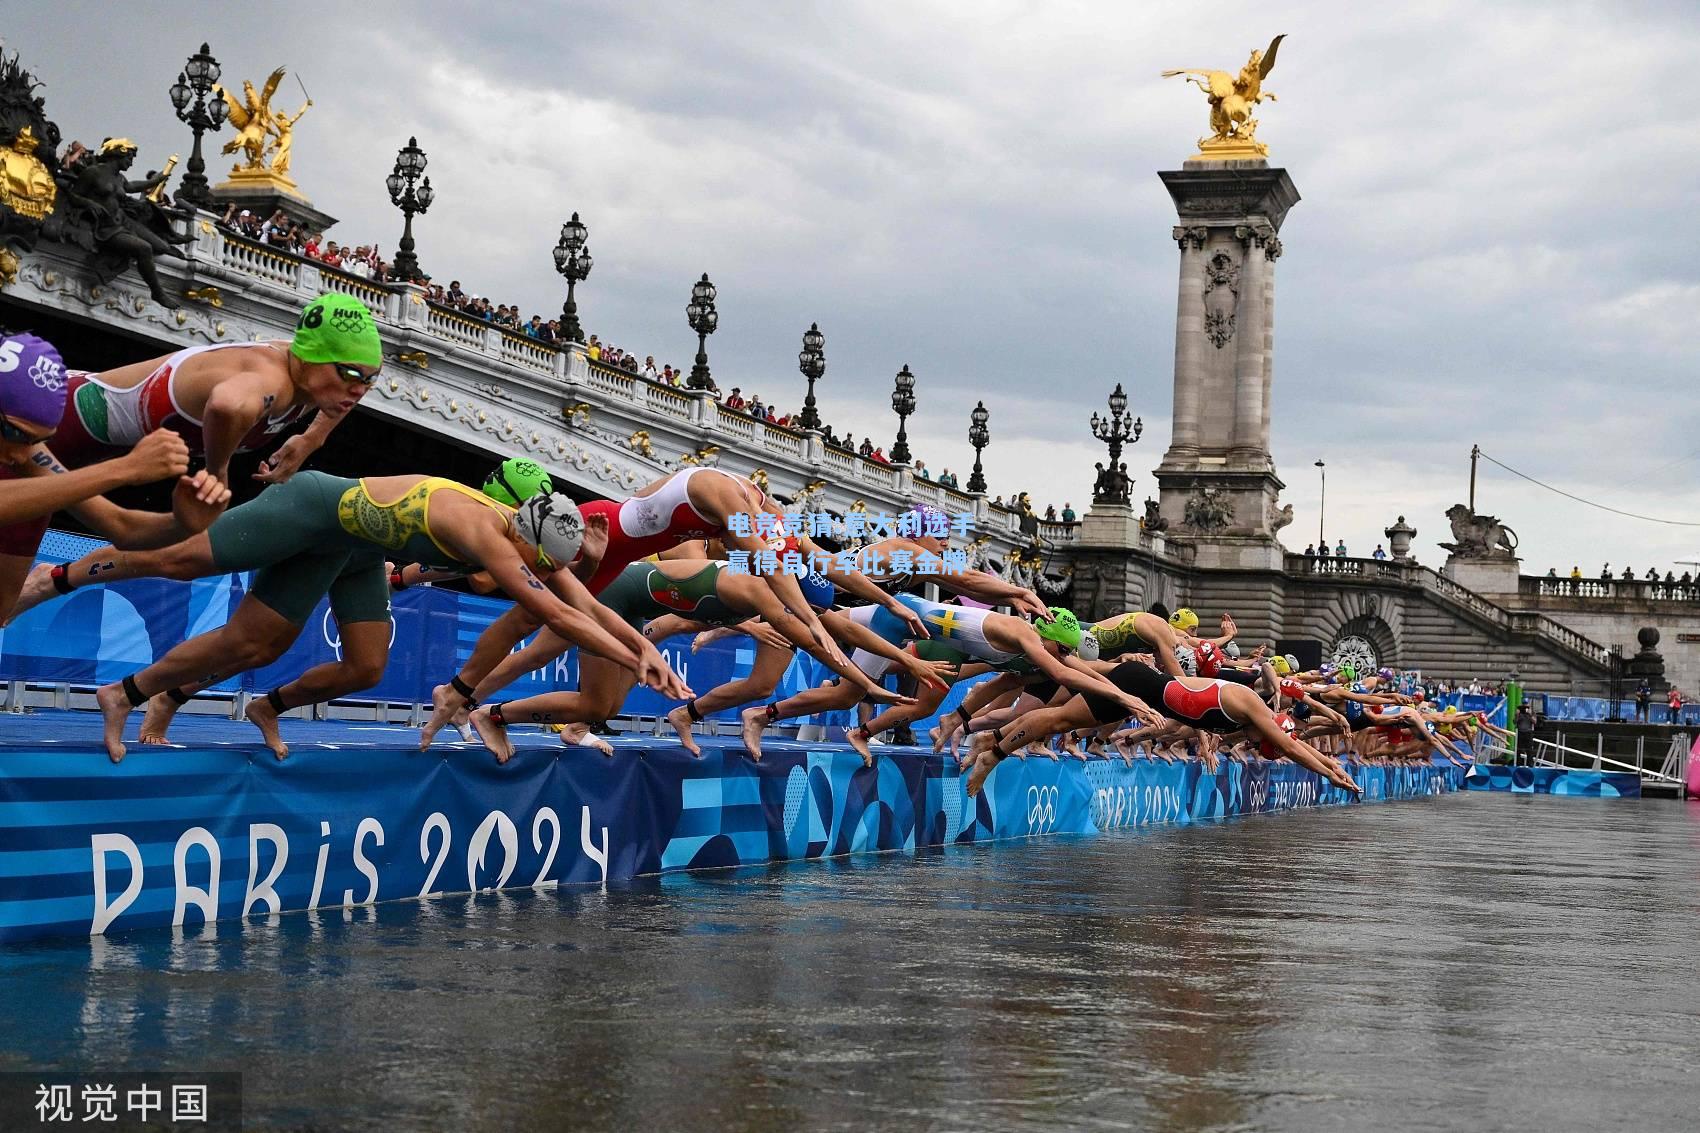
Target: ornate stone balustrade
{"type": "Point", "coordinates": [1608, 590]}
{"type": "Point", "coordinates": [473, 383]}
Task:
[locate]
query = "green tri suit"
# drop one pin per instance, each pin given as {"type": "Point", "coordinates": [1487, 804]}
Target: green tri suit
{"type": "Point", "coordinates": [641, 592]}
{"type": "Point", "coordinates": [316, 534]}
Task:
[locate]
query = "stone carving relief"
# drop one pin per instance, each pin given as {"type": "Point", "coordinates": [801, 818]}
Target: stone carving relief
{"type": "Point", "coordinates": [1279, 516]}
{"type": "Point", "coordinates": [1208, 509]}
{"type": "Point", "coordinates": [1260, 236]}
{"type": "Point", "coordinates": [1221, 297]}
{"type": "Point", "coordinates": [1153, 520]}
{"type": "Point", "coordinates": [1479, 536]}
{"type": "Point", "coordinates": [1194, 234]}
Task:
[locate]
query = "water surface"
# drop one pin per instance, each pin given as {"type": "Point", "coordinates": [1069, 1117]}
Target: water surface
{"type": "Point", "coordinates": [1460, 963]}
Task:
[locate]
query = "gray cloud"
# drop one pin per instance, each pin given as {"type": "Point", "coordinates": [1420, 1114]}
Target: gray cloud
{"type": "Point", "coordinates": [1492, 247]}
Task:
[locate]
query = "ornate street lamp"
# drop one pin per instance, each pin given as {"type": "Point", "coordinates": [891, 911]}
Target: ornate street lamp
{"type": "Point", "coordinates": [703, 318]}
{"type": "Point", "coordinates": [979, 436]}
{"type": "Point", "coordinates": [189, 96]}
{"type": "Point", "coordinates": [903, 404]}
{"type": "Point", "coordinates": [1117, 429]}
{"type": "Point", "coordinates": [572, 259]}
{"type": "Point", "coordinates": [811, 363]}
{"type": "Point", "coordinates": [410, 198]}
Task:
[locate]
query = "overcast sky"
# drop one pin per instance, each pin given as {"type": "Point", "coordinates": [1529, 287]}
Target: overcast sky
{"type": "Point", "coordinates": [1496, 242]}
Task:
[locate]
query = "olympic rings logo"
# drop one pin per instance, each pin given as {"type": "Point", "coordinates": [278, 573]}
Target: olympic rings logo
{"type": "Point", "coordinates": [333, 633]}
{"type": "Point", "coordinates": [1041, 809]}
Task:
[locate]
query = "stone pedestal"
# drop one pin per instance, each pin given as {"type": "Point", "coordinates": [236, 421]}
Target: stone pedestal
{"type": "Point", "coordinates": [263, 196]}
{"type": "Point", "coordinates": [1110, 525]}
{"type": "Point", "coordinates": [1487, 575]}
{"type": "Point", "coordinates": [1217, 480]}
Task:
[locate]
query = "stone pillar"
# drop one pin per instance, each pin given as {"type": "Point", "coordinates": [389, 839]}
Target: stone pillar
{"type": "Point", "coordinates": [1189, 337]}
{"type": "Point", "coordinates": [1247, 450]}
{"type": "Point", "coordinates": [1218, 487]}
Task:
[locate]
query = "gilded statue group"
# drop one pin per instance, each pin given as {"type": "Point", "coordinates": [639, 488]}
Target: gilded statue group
{"type": "Point", "coordinates": [260, 129]}
{"type": "Point", "coordinates": [1232, 99]}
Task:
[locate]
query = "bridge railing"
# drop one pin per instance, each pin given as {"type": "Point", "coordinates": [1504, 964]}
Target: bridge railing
{"type": "Point", "coordinates": [406, 306]}
{"type": "Point", "coordinates": [1407, 573]}
{"type": "Point", "coordinates": [1608, 589]}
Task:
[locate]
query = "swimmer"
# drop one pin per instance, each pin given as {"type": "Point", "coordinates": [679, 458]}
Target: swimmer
{"type": "Point", "coordinates": [34, 484]}
{"type": "Point", "coordinates": [317, 534]}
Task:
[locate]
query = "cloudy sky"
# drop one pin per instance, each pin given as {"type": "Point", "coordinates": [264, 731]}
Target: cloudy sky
{"type": "Point", "coordinates": [1496, 243]}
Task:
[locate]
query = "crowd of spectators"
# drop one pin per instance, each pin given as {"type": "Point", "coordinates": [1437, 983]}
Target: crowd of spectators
{"type": "Point", "coordinates": [279, 231]}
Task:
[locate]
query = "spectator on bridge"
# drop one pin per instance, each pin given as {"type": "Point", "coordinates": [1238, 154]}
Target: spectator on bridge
{"type": "Point", "coordinates": [947, 478]}
{"type": "Point", "coordinates": [593, 349]}
{"type": "Point", "coordinates": [1068, 512]}
{"type": "Point", "coordinates": [1050, 513]}
{"type": "Point", "coordinates": [1652, 574]}
{"type": "Point", "coordinates": [757, 409]}
{"type": "Point", "coordinates": [1380, 552]}
{"type": "Point", "coordinates": [1674, 703]}
{"type": "Point", "coordinates": [735, 400]}
{"type": "Point", "coordinates": [1628, 574]}
{"type": "Point", "coordinates": [1552, 572]}
{"type": "Point", "coordinates": [1643, 700]}
{"type": "Point", "coordinates": [649, 370]}
{"type": "Point", "coordinates": [878, 456]}
{"type": "Point", "coordinates": [1576, 572]}
{"type": "Point", "coordinates": [1340, 550]}
{"type": "Point", "coordinates": [1310, 550]}
{"type": "Point", "coordinates": [1322, 551]}
{"type": "Point", "coordinates": [865, 449]}
{"type": "Point", "coordinates": [1605, 573]}
{"type": "Point", "coordinates": [921, 472]}
{"type": "Point", "coordinates": [1670, 577]}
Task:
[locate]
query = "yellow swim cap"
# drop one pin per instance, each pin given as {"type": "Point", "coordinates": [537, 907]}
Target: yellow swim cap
{"type": "Point", "coordinates": [1280, 665]}
{"type": "Point", "coordinates": [1183, 619]}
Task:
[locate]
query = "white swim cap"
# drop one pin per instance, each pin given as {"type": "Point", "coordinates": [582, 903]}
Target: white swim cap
{"type": "Point", "coordinates": [550, 521]}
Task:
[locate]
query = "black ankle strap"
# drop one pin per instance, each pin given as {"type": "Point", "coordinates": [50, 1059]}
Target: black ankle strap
{"type": "Point", "coordinates": [178, 697]}
{"type": "Point", "coordinates": [275, 699]}
{"type": "Point", "coordinates": [691, 711]}
{"type": "Point", "coordinates": [133, 691]}
{"type": "Point", "coordinates": [61, 583]}
{"type": "Point", "coordinates": [461, 687]}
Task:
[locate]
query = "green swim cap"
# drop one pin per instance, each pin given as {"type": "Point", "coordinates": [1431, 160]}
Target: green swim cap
{"type": "Point", "coordinates": [1063, 628]}
{"type": "Point", "coordinates": [514, 481]}
{"type": "Point", "coordinates": [337, 328]}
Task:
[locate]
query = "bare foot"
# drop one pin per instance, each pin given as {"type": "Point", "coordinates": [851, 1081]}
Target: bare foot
{"type": "Point", "coordinates": [494, 735]}
{"type": "Point", "coordinates": [446, 704]}
{"type": "Point", "coordinates": [263, 716]}
{"type": "Point", "coordinates": [38, 588]}
{"type": "Point", "coordinates": [681, 722]}
{"type": "Point", "coordinates": [936, 734]}
{"type": "Point", "coordinates": [156, 720]}
{"type": "Point", "coordinates": [462, 723]}
{"type": "Point", "coordinates": [858, 739]}
{"type": "Point", "coordinates": [115, 707]}
{"type": "Point", "coordinates": [754, 724]}
{"type": "Point", "coordinates": [580, 735]}
{"type": "Point", "coordinates": [984, 764]}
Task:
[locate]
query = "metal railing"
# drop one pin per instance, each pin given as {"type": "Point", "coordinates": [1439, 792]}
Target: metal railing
{"type": "Point", "coordinates": [1559, 756]}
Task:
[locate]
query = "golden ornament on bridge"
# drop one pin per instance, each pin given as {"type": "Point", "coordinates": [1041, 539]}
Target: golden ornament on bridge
{"type": "Point", "coordinates": [261, 133]}
{"type": "Point", "coordinates": [26, 185]}
{"type": "Point", "coordinates": [1232, 98]}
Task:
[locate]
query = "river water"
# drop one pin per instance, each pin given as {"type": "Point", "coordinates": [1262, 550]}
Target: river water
{"type": "Point", "coordinates": [1460, 963]}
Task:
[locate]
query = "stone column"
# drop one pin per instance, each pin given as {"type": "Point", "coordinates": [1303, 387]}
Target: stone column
{"type": "Point", "coordinates": [1189, 340]}
{"type": "Point", "coordinates": [1248, 352]}
{"type": "Point", "coordinates": [1271, 252]}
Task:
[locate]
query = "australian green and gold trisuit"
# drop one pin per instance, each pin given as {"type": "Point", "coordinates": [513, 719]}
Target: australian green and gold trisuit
{"type": "Point", "coordinates": [642, 591]}
{"type": "Point", "coordinates": [317, 534]}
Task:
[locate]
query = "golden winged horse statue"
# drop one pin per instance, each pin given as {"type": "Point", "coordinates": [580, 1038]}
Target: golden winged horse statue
{"type": "Point", "coordinates": [252, 117]}
{"type": "Point", "coordinates": [1232, 98]}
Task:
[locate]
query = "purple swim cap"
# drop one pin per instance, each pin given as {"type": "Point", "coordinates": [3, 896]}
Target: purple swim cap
{"type": "Point", "coordinates": [930, 520]}
{"type": "Point", "coordinates": [32, 380]}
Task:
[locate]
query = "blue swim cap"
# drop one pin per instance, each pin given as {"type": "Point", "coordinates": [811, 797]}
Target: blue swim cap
{"type": "Point", "coordinates": [818, 591]}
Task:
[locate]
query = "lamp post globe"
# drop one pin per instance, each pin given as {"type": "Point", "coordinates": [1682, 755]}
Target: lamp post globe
{"type": "Point", "coordinates": [572, 260]}
{"type": "Point", "coordinates": [979, 435]}
{"type": "Point", "coordinates": [903, 403]}
{"type": "Point", "coordinates": [811, 363]}
{"type": "Point", "coordinates": [411, 197]}
{"type": "Point", "coordinates": [201, 114]}
{"type": "Point", "coordinates": [703, 318]}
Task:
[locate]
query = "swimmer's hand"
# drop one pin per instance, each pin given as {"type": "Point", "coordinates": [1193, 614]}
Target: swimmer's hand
{"type": "Point", "coordinates": [710, 635]}
{"type": "Point", "coordinates": [934, 673]}
{"type": "Point", "coordinates": [917, 627]}
{"type": "Point", "coordinates": [198, 500]}
{"type": "Point", "coordinates": [885, 696]}
{"type": "Point", "coordinates": [286, 461]}
{"type": "Point", "coordinates": [158, 456]}
{"type": "Point", "coordinates": [1027, 602]}
{"type": "Point", "coordinates": [653, 672]}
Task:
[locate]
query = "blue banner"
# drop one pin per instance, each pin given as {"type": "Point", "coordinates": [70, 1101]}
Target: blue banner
{"type": "Point", "coordinates": [184, 836]}
{"type": "Point", "coordinates": [1555, 781]}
